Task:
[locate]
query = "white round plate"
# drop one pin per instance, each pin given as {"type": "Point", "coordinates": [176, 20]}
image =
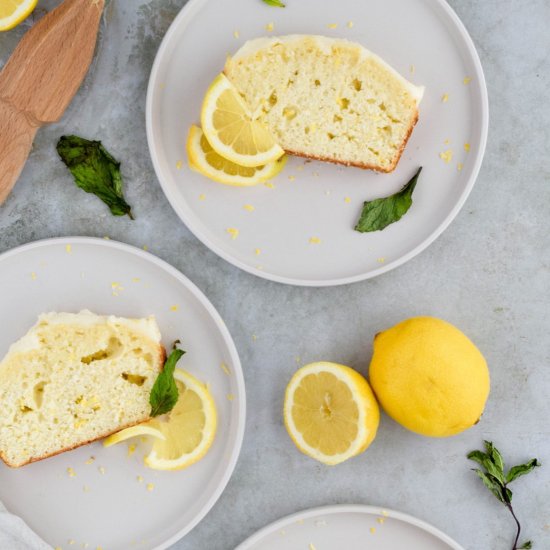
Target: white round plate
{"type": "Point", "coordinates": [349, 527]}
{"type": "Point", "coordinates": [105, 504]}
{"type": "Point", "coordinates": [423, 39]}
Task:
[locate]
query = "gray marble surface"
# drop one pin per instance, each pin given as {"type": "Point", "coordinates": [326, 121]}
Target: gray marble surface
{"type": "Point", "coordinates": [488, 274]}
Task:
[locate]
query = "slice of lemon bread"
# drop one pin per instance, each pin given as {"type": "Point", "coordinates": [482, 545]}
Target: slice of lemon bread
{"type": "Point", "coordinates": [328, 99]}
{"type": "Point", "coordinates": [74, 378]}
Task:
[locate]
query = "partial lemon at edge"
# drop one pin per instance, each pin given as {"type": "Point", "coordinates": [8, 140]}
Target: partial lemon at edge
{"type": "Point", "coordinates": [330, 412]}
{"type": "Point", "coordinates": [12, 12]}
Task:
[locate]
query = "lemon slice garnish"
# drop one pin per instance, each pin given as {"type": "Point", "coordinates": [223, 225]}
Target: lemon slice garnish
{"type": "Point", "coordinates": [12, 12]}
{"type": "Point", "coordinates": [134, 431]}
{"type": "Point", "coordinates": [330, 412]}
{"type": "Point", "coordinates": [189, 428]}
{"type": "Point", "coordinates": [206, 161]}
{"type": "Point", "coordinates": [232, 131]}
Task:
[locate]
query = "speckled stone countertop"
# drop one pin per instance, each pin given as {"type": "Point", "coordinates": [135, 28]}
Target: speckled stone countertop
{"type": "Point", "coordinates": [489, 273]}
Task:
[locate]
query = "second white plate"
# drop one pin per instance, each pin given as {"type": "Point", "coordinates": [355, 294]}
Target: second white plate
{"type": "Point", "coordinates": [95, 497]}
{"type": "Point", "coordinates": [349, 527]}
{"type": "Point", "coordinates": [300, 230]}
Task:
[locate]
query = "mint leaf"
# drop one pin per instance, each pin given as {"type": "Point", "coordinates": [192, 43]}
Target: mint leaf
{"type": "Point", "coordinates": [95, 171]}
{"type": "Point", "coordinates": [491, 483]}
{"type": "Point", "coordinates": [275, 3]}
{"type": "Point", "coordinates": [164, 393]}
{"type": "Point", "coordinates": [527, 545]}
{"type": "Point", "coordinates": [496, 457]}
{"type": "Point", "coordinates": [379, 213]}
{"type": "Point", "coordinates": [521, 470]}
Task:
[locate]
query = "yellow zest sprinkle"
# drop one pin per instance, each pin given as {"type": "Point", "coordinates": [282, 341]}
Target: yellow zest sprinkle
{"type": "Point", "coordinates": [291, 178]}
{"type": "Point", "coordinates": [145, 247]}
{"type": "Point", "coordinates": [459, 166]}
{"type": "Point", "coordinates": [269, 27]}
{"type": "Point", "coordinates": [254, 337]}
{"type": "Point", "coordinates": [150, 486]}
{"type": "Point", "coordinates": [467, 147]}
{"type": "Point", "coordinates": [202, 197]}
{"type": "Point", "coordinates": [86, 489]}
{"type": "Point", "coordinates": [136, 279]}
{"type": "Point", "coordinates": [230, 397]}
{"type": "Point", "coordinates": [372, 530]}
{"type": "Point", "coordinates": [350, 24]}
{"type": "Point", "coordinates": [233, 232]}
{"type": "Point", "coordinates": [257, 251]}
{"type": "Point", "coordinates": [33, 276]}
{"type": "Point", "coordinates": [332, 25]}
{"type": "Point", "coordinates": [381, 260]}
{"type": "Point", "coordinates": [467, 80]}
{"type": "Point", "coordinates": [269, 185]}
{"type": "Point", "coordinates": [446, 156]}
{"type": "Point", "coordinates": [98, 548]}
{"type": "Point", "coordinates": [385, 513]}
{"type": "Point", "coordinates": [445, 98]}
{"type": "Point", "coordinates": [143, 439]}
{"type": "Point", "coordinates": [90, 460]}
{"type": "Point", "coordinates": [175, 307]}
{"type": "Point", "coordinates": [381, 520]}
{"type": "Point", "coordinates": [101, 470]}
{"type": "Point", "coordinates": [225, 368]}
{"type": "Point", "coordinates": [68, 248]}
{"type": "Point", "coordinates": [131, 449]}
{"type": "Point", "coordinates": [58, 548]}
{"type": "Point", "coordinates": [311, 546]}
{"type": "Point", "coordinates": [236, 34]}
{"type": "Point", "coordinates": [71, 472]}
{"type": "Point", "coordinates": [347, 199]}
{"type": "Point", "coordinates": [249, 207]}
{"type": "Point", "coordinates": [314, 240]}
{"type": "Point", "coordinates": [412, 68]}
{"type": "Point", "coordinates": [140, 479]}
{"type": "Point", "coordinates": [179, 164]}
{"type": "Point", "coordinates": [71, 541]}
{"type": "Point", "coordinates": [116, 288]}
{"type": "Point", "coordinates": [447, 141]}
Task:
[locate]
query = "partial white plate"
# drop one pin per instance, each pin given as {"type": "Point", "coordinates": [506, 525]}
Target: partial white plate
{"type": "Point", "coordinates": [422, 39]}
{"type": "Point", "coordinates": [349, 527]}
{"type": "Point", "coordinates": [105, 504]}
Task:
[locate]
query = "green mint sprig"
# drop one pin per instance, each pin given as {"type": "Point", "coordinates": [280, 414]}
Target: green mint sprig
{"type": "Point", "coordinates": [274, 3]}
{"type": "Point", "coordinates": [497, 481]}
{"type": "Point", "coordinates": [164, 393]}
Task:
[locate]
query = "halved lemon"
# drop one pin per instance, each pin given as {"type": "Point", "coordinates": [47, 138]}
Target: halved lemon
{"type": "Point", "coordinates": [134, 431]}
{"type": "Point", "coordinates": [330, 412]}
{"type": "Point", "coordinates": [232, 131]}
{"type": "Point", "coordinates": [206, 161]}
{"type": "Point", "coordinates": [12, 12]}
{"type": "Point", "coordinates": [189, 428]}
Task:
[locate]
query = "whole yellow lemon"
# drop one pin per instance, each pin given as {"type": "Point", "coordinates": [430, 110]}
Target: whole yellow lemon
{"type": "Point", "coordinates": [429, 377]}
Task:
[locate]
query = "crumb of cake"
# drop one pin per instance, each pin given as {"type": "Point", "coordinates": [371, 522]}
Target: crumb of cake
{"type": "Point", "coordinates": [327, 192]}
{"type": "Point", "coordinates": [71, 472]}
{"type": "Point", "coordinates": [136, 279]}
{"type": "Point", "coordinates": [230, 397]}
{"type": "Point", "coordinates": [347, 199]}
{"type": "Point", "coordinates": [332, 25]}
{"type": "Point", "coordinates": [269, 27]}
{"type": "Point", "coordinates": [445, 98]}
{"type": "Point", "coordinates": [254, 337]}
{"type": "Point", "coordinates": [381, 260]}
{"type": "Point", "coordinates": [86, 489]}
{"type": "Point", "coordinates": [139, 479]}
{"type": "Point", "coordinates": [257, 251]}
{"type": "Point", "coordinates": [68, 248]}
{"type": "Point", "coordinates": [447, 141]}
{"type": "Point", "coordinates": [236, 34]}
{"type": "Point", "coordinates": [225, 368]}
{"type": "Point", "coordinates": [234, 232]}
{"type": "Point", "coordinates": [350, 25]}
{"type": "Point", "coordinates": [314, 240]}
{"type": "Point", "coordinates": [291, 178]}
{"type": "Point", "coordinates": [116, 288]}
{"type": "Point", "coordinates": [380, 520]}
{"type": "Point", "coordinates": [269, 185]}
{"type": "Point", "coordinates": [33, 276]}
{"type": "Point", "coordinates": [101, 470]}
{"type": "Point", "coordinates": [150, 486]}
{"type": "Point", "coordinates": [202, 197]}
{"type": "Point", "coordinates": [90, 460]}
{"type": "Point", "coordinates": [312, 546]}
{"type": "Point", "coordinates": [71, 541]}
{"type": "Point", "coordinates": [446, 156]}
{"type": "Point", "coordinates": [175, 307]}
{"type": "Point", "coordinates": [131, 449]}
{"type": "Point", "coordinates": [467, 80]}
{"type": "Point", "coordinates": [459, 166]}
{"type": "Point", "coordinates": [467, 147]}
{"type": "Point", "coordinates": [249, 208]}
{"type": "Point", "coordinates": [372, 530]}
{"type": "Point", "coordinates": [179, 164]}
{"type": "Point", "coordinates": [412, 69]}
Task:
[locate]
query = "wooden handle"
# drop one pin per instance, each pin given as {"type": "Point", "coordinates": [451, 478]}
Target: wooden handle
{"type": "Point", "coordinates": [16, 140]}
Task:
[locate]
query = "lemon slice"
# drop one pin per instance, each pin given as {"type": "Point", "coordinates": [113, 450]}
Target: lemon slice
{"type": "Point", "coordinates": [330, 412]}
{"type": "Point", "coordinates": [134, 431]}
{"type": "Point", "coordinates": [189, 429]}
{"type": "Point", "coordinates": [206, 161]}
{"type": "Point", "coordinates": [12, 12]}
{"type": "Point", "coordinates": [231, 129]}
